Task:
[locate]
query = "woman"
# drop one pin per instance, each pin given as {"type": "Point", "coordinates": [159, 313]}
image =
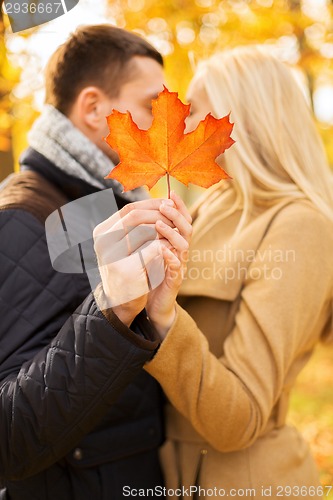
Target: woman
{"type": "Point", "coordinates": [257, 296]}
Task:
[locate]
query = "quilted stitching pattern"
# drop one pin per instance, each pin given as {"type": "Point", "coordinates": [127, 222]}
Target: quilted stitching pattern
{"type": "Point", "coordinates": [58, 362]}
{"type": "Point", "coordinates": [31, 292]}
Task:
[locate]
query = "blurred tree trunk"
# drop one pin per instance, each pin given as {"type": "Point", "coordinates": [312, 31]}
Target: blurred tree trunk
{"type": "Point", "coordinates": [6, 164]}
{"type": "Point", "coordinates": [306, 52]}
{"type": "Point", "coordinates": [6, 85]}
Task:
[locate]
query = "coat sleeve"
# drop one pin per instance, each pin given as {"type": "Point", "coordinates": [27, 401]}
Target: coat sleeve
{"type": "Point", "coordinates": [60, 370]}
{"type": "Point", "coordinates": [283, 310]}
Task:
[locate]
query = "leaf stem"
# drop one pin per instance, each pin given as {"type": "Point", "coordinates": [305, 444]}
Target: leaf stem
{"type": "Point", "coordinates": [168, 181]}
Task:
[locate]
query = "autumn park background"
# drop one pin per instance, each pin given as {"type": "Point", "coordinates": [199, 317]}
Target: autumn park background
{"type": "Point", "coordinates": [299, 32]}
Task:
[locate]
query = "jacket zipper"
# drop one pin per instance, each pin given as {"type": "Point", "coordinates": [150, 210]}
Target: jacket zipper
{"type": "Point", "coordinates": [203, 453]}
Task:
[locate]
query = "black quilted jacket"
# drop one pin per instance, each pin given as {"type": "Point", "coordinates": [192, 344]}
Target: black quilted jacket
{"type": "Point", "coordinates": [79, 417]}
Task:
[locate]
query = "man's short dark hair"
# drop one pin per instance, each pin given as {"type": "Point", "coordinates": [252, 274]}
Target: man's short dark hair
{"type": "Point", "coordinates": [98, 55]}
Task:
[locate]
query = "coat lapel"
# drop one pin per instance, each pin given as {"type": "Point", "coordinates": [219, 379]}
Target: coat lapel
{"type": "Point", "coordinates": [219, 263]}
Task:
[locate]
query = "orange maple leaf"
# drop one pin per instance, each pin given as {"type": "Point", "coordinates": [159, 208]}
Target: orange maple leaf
{"type": "Point", "coordinates": [164, 149]}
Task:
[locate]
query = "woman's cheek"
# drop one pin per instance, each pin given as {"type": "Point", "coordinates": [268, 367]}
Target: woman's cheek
{"type": "Point", "coordinates": [190, 124]}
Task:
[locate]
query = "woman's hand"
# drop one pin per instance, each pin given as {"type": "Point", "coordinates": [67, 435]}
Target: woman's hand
{"type": "Point", "coordinates": [129, 256]}
{"type": "Point", "coordinates": [161, 300]}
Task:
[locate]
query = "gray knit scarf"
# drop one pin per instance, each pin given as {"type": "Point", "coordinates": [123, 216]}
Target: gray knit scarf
{"type": "Point", "coordinates": [54, 136]}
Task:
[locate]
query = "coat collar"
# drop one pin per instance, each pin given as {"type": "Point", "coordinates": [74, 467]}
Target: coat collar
{"type": "Point", "coordinates": [72, 187]}
{"type": "Point", "coordinates": [217, 267]}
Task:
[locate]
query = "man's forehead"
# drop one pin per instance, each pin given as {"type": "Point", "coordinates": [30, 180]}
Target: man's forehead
{"type": "Point", "coordinates": [146, 75]}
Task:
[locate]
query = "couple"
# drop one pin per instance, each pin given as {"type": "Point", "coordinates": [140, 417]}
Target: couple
{"type": "Point", "coordinates": [82, 411]}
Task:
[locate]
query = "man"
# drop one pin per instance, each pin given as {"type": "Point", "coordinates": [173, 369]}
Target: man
{"type": "Point", "coordinates": [79, 419]}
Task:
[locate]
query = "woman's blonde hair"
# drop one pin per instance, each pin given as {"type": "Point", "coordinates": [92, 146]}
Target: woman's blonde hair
{"type": "Point", "coordinates": [278, 151]}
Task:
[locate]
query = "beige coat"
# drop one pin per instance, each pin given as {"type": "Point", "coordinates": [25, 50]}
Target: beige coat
{"type": "Point", "coordinates": [255, 310]}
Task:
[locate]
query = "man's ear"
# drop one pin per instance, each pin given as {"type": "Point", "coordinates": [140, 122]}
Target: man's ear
{"type": "Point", "coordinates": [88, 111]}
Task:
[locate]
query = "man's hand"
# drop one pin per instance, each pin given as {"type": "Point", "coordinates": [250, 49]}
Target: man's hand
{"type": "Point", "coordinates": [129, 256]}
